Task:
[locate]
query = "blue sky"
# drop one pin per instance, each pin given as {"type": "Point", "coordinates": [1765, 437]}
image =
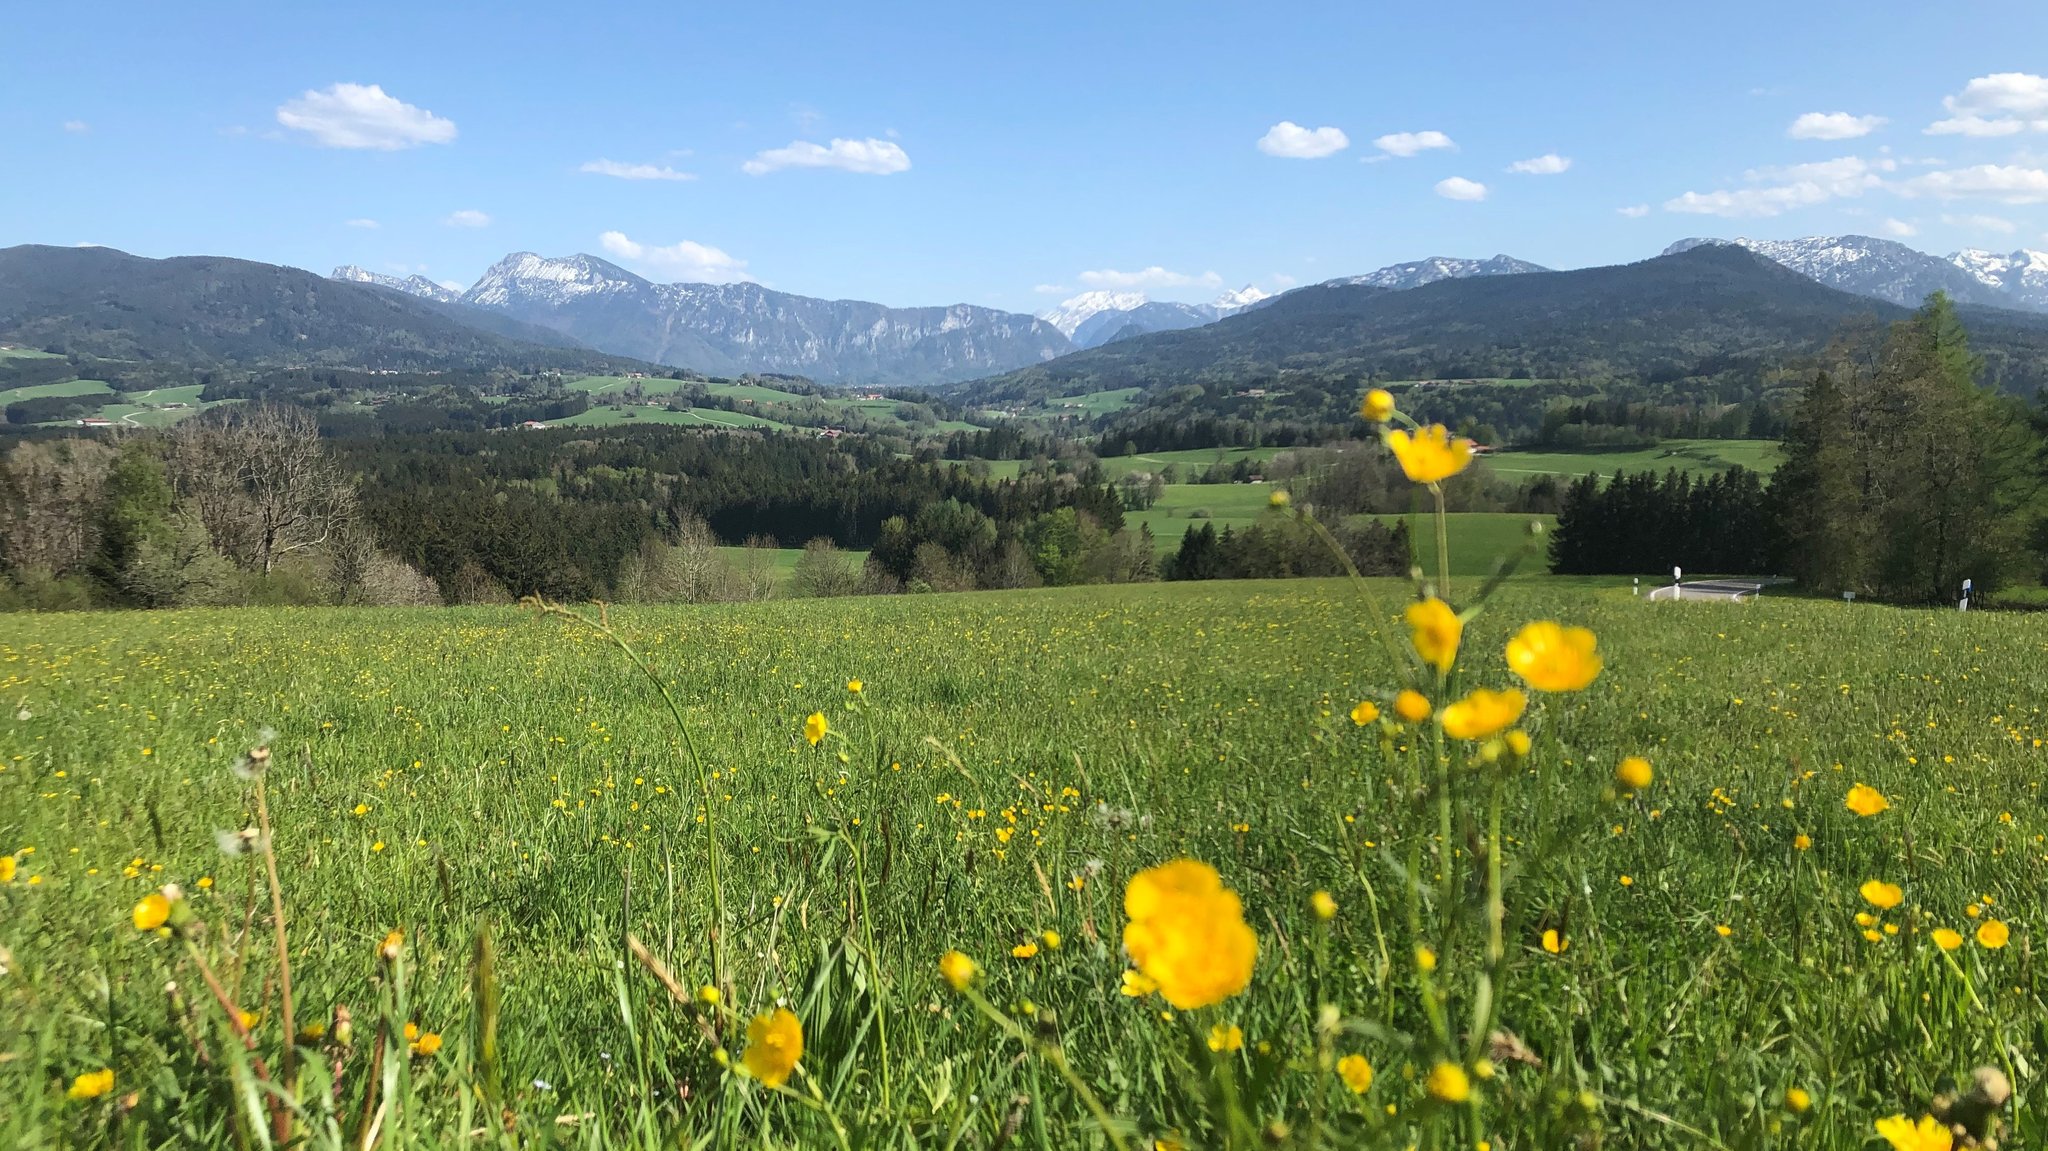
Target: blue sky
{"type": "Point", "coordinates": [1013, 154]}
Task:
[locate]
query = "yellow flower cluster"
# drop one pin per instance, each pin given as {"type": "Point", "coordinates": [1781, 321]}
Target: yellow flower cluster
{"type": "Point", "coordinates": [1187, 935]}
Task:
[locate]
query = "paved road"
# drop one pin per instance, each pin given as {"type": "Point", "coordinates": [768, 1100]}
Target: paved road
{"type": "Point", "coordinates": [1723, 590]}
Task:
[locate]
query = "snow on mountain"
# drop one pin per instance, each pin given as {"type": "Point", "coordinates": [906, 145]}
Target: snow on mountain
{"type": "Point", "coordinates": [1072, 313]}
{"type": "Point", "coordinates": [1415, 274]}
{"type": "Point", "coordinates": [1094, 318]}
{"type": "Point", "coordinates": [744, 327]}
{"type": "Point", "coordinates": [410, 285]}
{"type": "Point", "coordinates": [1239, 300]}
{"type": "Point", "coordinates": [1889, 270]}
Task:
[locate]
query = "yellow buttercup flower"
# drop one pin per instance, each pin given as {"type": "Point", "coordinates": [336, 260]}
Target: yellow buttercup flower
{"type": "Point", "coordinates": [1992, 934]}
{"type": "Point", "coordinates": [1365, 712]}
{"type": "Point", "coordinates": [1797, 1099]}
{"type": "Point", "coordinates": [1325, 907]}
{"type": "Point", "coordinates": [1412, 706]}
{"type": "Point", "coordinates": [1425, 959]}
{"type": "Point", "coordinates": [1634, 773]}
{"type": "Point", "coordinates": [1551, 657]}
{"type": "Point", "coordinates": [1378, 406]}
{"type": "Point", "coordinates": [1518, 742]}
{"type": "Point", "coordinates": [151, 913]}
{"type": "Point", "coordinates": [1881, 895]}
{"type": "Point", "coordinates": [1553, 942]}
{"type": "Point", "coordinates": [1187, 933]}
{"type": "Point", "coordinates": [1137, 985]}
{"type": "Point", "coordinates": [1483, 714]}
{"type": "Point", "coordinates": [1223, 1038]}
{"type": "Point", "coordinates": [92, 1084]}
{"type": "Point", "coordinates": [1024, 950]}
{"type": "Point", "coordinates": [1865, 800]}
{"type": "Point", "coordinates": [427, 1045]}
{"type": "Point", "coordinates": [1356, 1072]}
{"type": "Point", "coordinates": [1051, 938]}
{"type": "Point", "coordinates": [1435, 629]}
{"type": "Point", "coordinates": [1449, 1083]}
{"type": "Point", "coordinates": [1905, 1135]}
{"type": "Point", "coordinates": [1802, 841]}
{"type": "Point", "coordinates": [958, 969]}
{"type": "Point", "coordinates": [775, 1041]}
{"type": "Point", "coordinates": [815, 727]}
{"type": "Point", "coordinates": [7, 867]}
{"type": "Point", "coordinates": [854, 686]}
{"type": "Point", "coordinates": [1279, 498]}
{"type": "Point", "coordinates": [1945, 938]}
{"type": "Point", "coordinates": [1431, 454]}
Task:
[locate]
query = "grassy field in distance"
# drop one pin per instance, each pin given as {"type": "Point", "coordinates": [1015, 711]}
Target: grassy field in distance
{"type": "Point", "coordinates": [1699, 457]}
{"type": "Point", "coordinates": [64, 388]}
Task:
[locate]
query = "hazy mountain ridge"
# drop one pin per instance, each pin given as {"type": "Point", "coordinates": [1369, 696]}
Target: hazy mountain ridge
{"type": "Point", "coordinates": [1889, 270]}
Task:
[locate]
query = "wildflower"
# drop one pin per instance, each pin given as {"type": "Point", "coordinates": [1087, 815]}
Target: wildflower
{"type": "Point", "coordinates": [1723, 930]}
{"type": "Point", "coordinates": [1051, 938]}
{"type": "Point", "coordinates": [1553, 942]}
{"type": "Point", "coordinates": [1279, 498]}
{"type": "Point", "coordinates": [1518, 742]}
{"type": "Point", "coordinates": [1992, 934]}
{"type": "Point", "coordinates": [394, 941]}
{"type": "Point", "coordinates": [708, 995]}
{"type": "Point", "coordinates": [815, 727]}
{"type": "Point", "coordinates": [1802, 841]}
{"type": "Point", "coordinates": [1378, 406]}
{"type": "Point", "coordinates": [1551, 657]}
{"type": "Point", "coordinates": [1223, 1038]}
{"type": "Point", "coordinates": [1865, 800]}
{"type": "Point", "coordinates": [1425, 959]}
{"type": "Point", "coordinates": [7, 868]}
{"type": "Point", "coordinates": [1365, 712]}
{"type": "Point", "coordinates": [1325, 907]}
{"type": "Point", "coordinates": [1946, 938]}
{"type": "Point", "coordinates": [1797, 1100]}
{"type": "Point", "coordinates": [152, 912]}
{"type": "Point", "coordinates": [854, 686]}
{"type": "Point", "coordinates": [1356, 1073]}
{"type": "Point", "coordinates": [1634, 773]}
{"type": "Point", "coordinates": [1483, 713]}
{"type": "Point", "coordinates": [427, 1044]}
{"type": "Point", "coordinates": [1412, 706]}
{"type": "Point", "coordinates": [1137, 985]}
{"type": "Point", "coordinates": [1628, 881]}
{"type": "Point", "coordinates": [92, 1084]}
{"type": "Point", "coordinates": [1881, 895]}
{"type": "Point", "coordinates": [1435, 629]}
{"type": "Point", "coordinates": [1449, 1083]}
{"type": "Point", "coordinates": [1430, 454]}
{"type": "Point", "coordinates": [775, 1041]}
{"type": "Point", "coordinates": [1024, 950]}
{"type": "Point", "coordinates": [1905, 1135]}
{"type": "Point", "coordinates": [958, 969]}
{"type": "Point", "coordinates": [1187, 933]}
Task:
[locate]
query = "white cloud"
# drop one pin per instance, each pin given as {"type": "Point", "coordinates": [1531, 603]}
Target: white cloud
{"type": "Point", "coordinates": [364, 222]}
{"type": "Point", "coordinates": [1049, 289]}
{"type": "Point", "coordinates": [1283, 280]}
{"type": "Point", "coordinates": [1459, 188]}
{"type": "Point", "coordinates": [1548, 164]}
{"type": "Point", "coordinates": [453, 285]}
{"type": "Point", "coordinates": [1833, 126]}
{"type": "Point", "coordinates": [77, 127]}
{"type": "Point", "coordinates": [2008, 184]}
{"type": "Point", "coordinates": [1635, 211]}
{"type": "Point", "coordinates": [2000, 104]}
{"type": "Point", "coordinates": [1894, 226]}
{"type": "Point", "coordinates": [467, 218]}
{"type": "Point", "coordinates": [685, 260]}
{"type": "Point", "coordinates": [1411, 143]}
{"type": "Point", "coordinates": [1152, 277]}
{"type": "Point", "coordinates": [1295, 142]}
{"type": "Point", "coordinates": [1976, 126]}
{"type": "Point", "coordinates": [871, 156]}
{"type": "Point", "coordinates": [634, 171]}
{"type": "Point", "coordinates": [1982, 223]}
{"type": "Point", "coordinates": [1780, 190]}
{"type": "Point", "coordinates": [362, 116]}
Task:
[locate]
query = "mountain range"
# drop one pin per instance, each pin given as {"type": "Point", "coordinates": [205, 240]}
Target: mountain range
{"type": "Point", "coordinates": [1095, 318]}
{"type": "Point", "coordinates": [1889, 270]}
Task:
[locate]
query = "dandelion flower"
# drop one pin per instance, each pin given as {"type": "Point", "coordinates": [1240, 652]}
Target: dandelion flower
{"type": "Point", "coordinates": [815, 727]}
{"type": "Point", "coordinates": [1431, 454]}
{"type": "Point", "coordinates": [1365, 712]}
{"type": "Point", "coordinates": [1992, 934]}
{"type": "Point", "coordinates": [854, 686]}
{"type": "Point", "coordinates": [1412, 706]}
{"type": "Point", "coordinates": [1222, 1038]}
{"type": "Point", "coordinates": [1881, 895]}
{"type": "Point", "coordinates": [1551, 657]}
{"type": "Point", "coordinates": [1946, 938]}
{"type": "Point", "coordinates": [1356, 1072]}
{"type": "Point", "coordinates": [1024, 950]}
{"type": "Point", "coordinates": [1796, 1099]}
{"type": "Point", "coordinates": [1483, 714]}
{"type": "Point", "coordinates": [1634, 773]}
{"type": "Point", "coordinates": [152, 912]}
{"type": "Point", "coordinates": [775, 1041]}
{"type": "Point", "coordinates": [1802, 841]}
{"type": "Point", "coordinates": [1435, 629]}
{"type": "Point", "coordinates": [1865, 800]}
{"type": "Point", "coordinates": [7, 868]}
{"type": "Point", "coordinates": [1324, 906]}
{"type": "Point", "coordinates": [1378, 406]}
{"type": "Point", "coordinates": [427, 1044]}
{"type": "Point", "coordinates": [1449, 1083]}
{"type": "Point", "coordinates": [92, 1084]}
{"type": "Point", "coordinates": [1905, 1135]}
{"type": "Point", "coordinates": [958, 969]}
{"type": "Point", "coordinates": [1723, 930]}
{"type": "Point", "coordinates": [1187, 933]}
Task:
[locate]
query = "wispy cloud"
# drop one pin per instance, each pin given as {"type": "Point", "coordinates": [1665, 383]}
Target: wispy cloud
{"type": "Point", "coordinates": [1459, 188]}
{"type": "Point", "coordinates": [1048, 289]}
{"type": "Point", "coordinates": [1893, 226]}
{"type": "Point", "coordinates": [2005, 183]}
{"type": "Point", "coordinates": [2000, 104]}
{"type": "Point", "coordinates": [1292, 141]}
{"type": "Point", "coordinates": [364, 222]}
{"type": "Point", "coordinates": [1152, 277]}
{"type": "Point", "coordinates": [870, 156]}
{"type": "Point", "coordinates": [1833, 126]}
{"type": "Point", "coordinates": [684, 260]}
{"type": "Point", "coordinates": [363, 116]}
{"type": "Point", "coordinates": [623, 171]}
{"type": "Point", "coordinates": [77, 127]}
{"type": "Point", "coordinates": [467, 218]}
{"type": "Point", "coordinates": [1412, 143]}
{"type": "Point", "coordinates": [1982, 223]}
{"type": "Point", "coordinates": [1548, 164]}
{"type": "Point", "coordinates": [1776, 190]}
{"type": "Point", "coordinates": [1634, 211]}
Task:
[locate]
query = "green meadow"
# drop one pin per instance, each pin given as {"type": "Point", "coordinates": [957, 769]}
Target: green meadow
{"type": "Point", "coordinates": [1696, 457]}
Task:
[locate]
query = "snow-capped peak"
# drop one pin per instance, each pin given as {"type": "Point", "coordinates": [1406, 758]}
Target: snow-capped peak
{"type": "Point", "coordinates": [410, 285]}
{"type": "Point", "coordinates": [1072, 313]}
{"type": "Point", "coordinates": [523, 275]}
{"type": "Point", "coordinates": [1239, 300]}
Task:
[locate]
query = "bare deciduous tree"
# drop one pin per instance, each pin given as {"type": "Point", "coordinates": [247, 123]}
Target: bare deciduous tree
{"type": "Point", "coordinates": [262, 483]}
{"type": "Point", "coordinates": [49, 519]}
